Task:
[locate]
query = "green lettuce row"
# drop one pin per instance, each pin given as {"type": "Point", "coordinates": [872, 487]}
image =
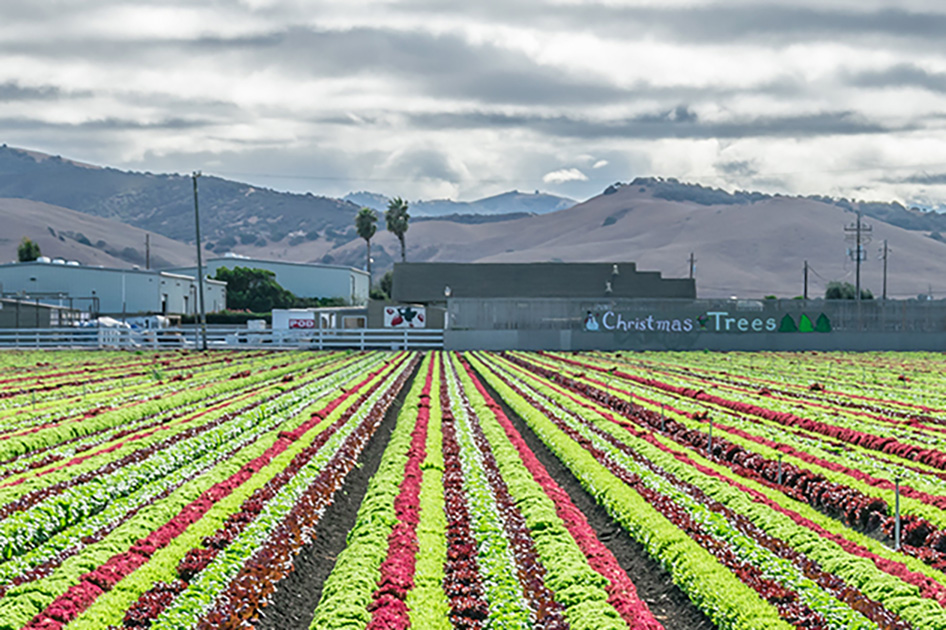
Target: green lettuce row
{"type": "Point", "coordinates": [201, 593]}
{"type": "Point", "coordinates": [854, 457]}
{"type": "Point", "coordinates": [93, 463]}
{"type": "Point", "coordinates": [508, 607]}
{"type": "Point", "coordinates": [51, 406]}
{"type": "Point", "coordinates": [72, 537]}
{"type": "Point", "coordinates": [729, 603]}
{"type": "Point", "coordinates": [109, 608]}
{"type": "Point", "coordinates": [22, 530]}
{"type": "Point", "coordinates": [68, 450]}
{"type": "Point", "coordinates": [581, 589]}
{"type": "Point", "coordinates": [898, 596]}
{"type": "Point", "coordinates": [107, 383]}
{"type": "Point", "coordinates": [427, 602]}
{"type": "Point", "coordinates": [21, 603]}
{"type": "Point", "coordinates": [907, 434]}
{"type": "Point", "coordinates": [349, 588]}
{"type": "Point", "coordinates": [53, 435]}
{"type": "Point", "coordinates": [112, 398]}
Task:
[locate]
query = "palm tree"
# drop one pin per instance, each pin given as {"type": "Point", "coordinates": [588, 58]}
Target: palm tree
{"type": "Point", "coordinates": [366, 225]}
{"type": "Point", "coordinates": [397, 221]}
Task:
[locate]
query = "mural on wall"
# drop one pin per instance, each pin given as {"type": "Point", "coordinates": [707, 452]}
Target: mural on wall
{"type": "Point", "coordinates": [711, 321]}
{"type": "Point", "coordinates": [405, 317]}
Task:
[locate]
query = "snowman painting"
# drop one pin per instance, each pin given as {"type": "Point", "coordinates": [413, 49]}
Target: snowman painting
{"type": "Point", "coordinates": [591, 323]}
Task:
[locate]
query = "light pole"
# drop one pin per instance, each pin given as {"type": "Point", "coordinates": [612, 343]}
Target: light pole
{"type": "Point", "coordinates": [200, 267]}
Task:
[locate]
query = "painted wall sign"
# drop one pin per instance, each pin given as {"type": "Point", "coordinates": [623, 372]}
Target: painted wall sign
{"type": "Point", "coordinates": [301, 323]}
{"type": "Point", "coordinates": [711, 321]}
{"type": "Point", "coordinates": [405, 317]}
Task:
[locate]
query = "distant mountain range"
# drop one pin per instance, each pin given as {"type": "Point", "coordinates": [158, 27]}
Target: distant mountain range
{"type": "Point", "coordinates": [745, 243]}
{"type": "Point", "coordinates": [513, 202]}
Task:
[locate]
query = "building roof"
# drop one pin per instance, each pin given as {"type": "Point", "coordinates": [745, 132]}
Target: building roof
{"type": "Point", "coordinates": [56, 264]}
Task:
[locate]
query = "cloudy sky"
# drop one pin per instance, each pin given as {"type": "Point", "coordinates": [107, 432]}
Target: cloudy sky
{"type": "Point", "coordinates": [436, 98]}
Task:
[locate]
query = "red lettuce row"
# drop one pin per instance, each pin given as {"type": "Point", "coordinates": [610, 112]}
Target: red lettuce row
{"type": "Point", "coordinates": [389, 610]}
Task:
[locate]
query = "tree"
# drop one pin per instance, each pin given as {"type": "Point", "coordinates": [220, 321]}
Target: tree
{"type": "Point", "coordinates": [845, 291]}
{"type": "Point", "coordinates": [366, 225]}
{"type": "Point", "coordinates": [397, 220]}
{"type": "Point", "coordinates": [387, 283]}
{"type": "Point", "coordinates": [254, 290]}
{"type": "Point", "coordinates": [27, 251]}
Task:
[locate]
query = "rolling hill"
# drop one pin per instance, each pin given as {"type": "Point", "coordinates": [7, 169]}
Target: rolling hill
{"type": "Point", "coordinates": [747, 244]}
{"type": "Point", "coordinates": [64, 233]}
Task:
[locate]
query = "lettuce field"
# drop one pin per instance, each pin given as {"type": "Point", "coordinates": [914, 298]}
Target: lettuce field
{"type": "Point", "coordinates": [475, 490]}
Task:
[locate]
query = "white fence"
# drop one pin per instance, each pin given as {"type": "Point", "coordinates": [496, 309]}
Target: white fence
{"type": "Point", "coordinates": [221, 338]}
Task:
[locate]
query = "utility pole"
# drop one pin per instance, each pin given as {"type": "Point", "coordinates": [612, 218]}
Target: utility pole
{"type": "Point", "coordinates": [147, 251]}
{"type": "Point", "coordinates": [859, 232]}
{"type": "Point", "coordinates": [805, 294]}
{"type": "Point", "coordinates": [200, 268]}
{"type": "Point", "coordinates": [692, 264]}
{"type": "Point", "coordinates": [886, 251]}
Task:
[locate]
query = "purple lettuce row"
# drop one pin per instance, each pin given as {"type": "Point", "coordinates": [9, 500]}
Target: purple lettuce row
{"type": "Point", "coordinates": [462, 582]}
{"type": "Point", "coordinates": [548, 613]}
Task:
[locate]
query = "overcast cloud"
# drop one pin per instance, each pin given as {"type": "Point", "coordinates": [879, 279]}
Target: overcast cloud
{"type": "Point", "coordinates": [432, 98]}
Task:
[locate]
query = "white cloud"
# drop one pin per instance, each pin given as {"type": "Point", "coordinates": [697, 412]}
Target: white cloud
{"type": "Point", "coordinates": [564, 175]}
{"type": "Point", "coordinates": [499, 94]}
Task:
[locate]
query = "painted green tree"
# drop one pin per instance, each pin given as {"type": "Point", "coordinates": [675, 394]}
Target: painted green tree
{"type": "Point", "coordinates": [397, 220]}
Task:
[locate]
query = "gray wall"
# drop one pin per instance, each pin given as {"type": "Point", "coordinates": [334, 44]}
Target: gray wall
{"type": "Point", "coordinates": [425, 282]}
{"type": "Point", "coordinates": [696, 324]}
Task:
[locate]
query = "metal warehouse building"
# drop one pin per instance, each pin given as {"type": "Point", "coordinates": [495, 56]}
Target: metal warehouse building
{"type": "Point", "coordinates": [307, 280]}
{"type": "Point", "coordinates": [111, 291]}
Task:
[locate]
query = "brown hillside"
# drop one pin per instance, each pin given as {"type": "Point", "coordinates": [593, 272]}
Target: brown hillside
{"type": "Point", "coordinates": [61, 233]}
{"type": "Point", "coordinates": [748, 250]}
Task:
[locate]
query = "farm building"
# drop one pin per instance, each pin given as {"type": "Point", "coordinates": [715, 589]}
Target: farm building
{"type": "Point", "coordinates": [110, 291]}
{"type": "Point", "coordinates": [307, 280]}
